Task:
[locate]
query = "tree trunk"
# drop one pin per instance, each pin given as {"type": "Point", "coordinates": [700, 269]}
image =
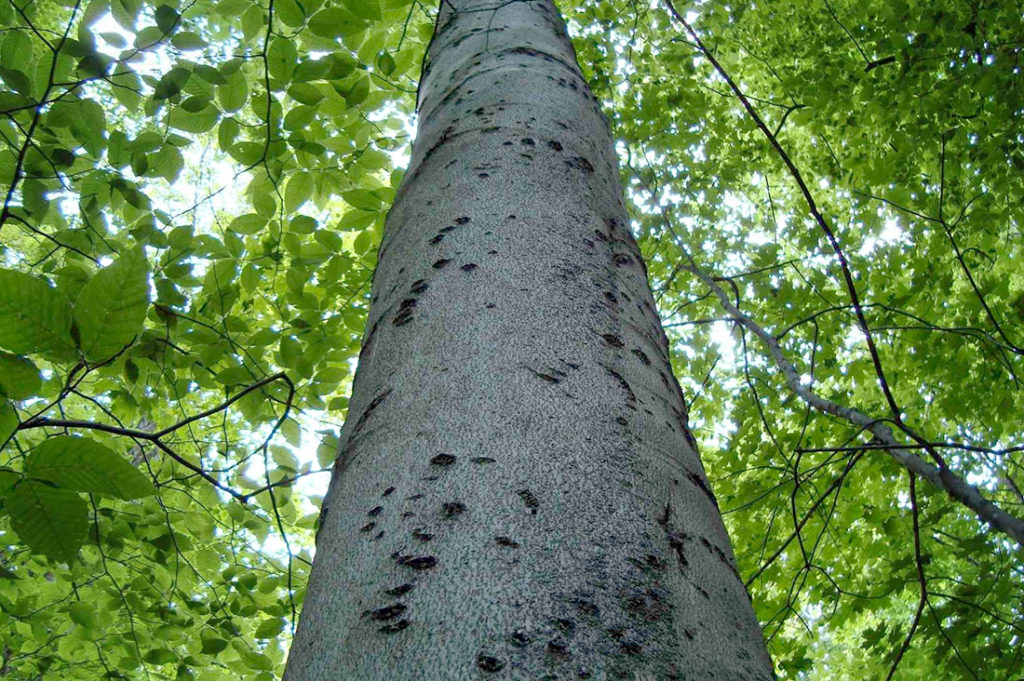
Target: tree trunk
{"type": "Point", "coordinates": [518, 495]}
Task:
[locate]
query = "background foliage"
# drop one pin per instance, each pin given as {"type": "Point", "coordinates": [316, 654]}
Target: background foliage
{"type": "Point", "coordinates": [193, 195]}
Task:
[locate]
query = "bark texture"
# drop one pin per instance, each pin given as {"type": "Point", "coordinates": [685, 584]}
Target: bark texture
{"type": "Point", "coordinates": [517, 495]}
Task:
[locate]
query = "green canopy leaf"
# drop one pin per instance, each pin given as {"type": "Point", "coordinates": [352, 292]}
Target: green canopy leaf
{"type": "Point", "coordinates": [8, 421]}
{"type": "Point", "coordinates": [364, 9]}
{"type": "Point", "coordinates": [34, 316]}
{"type": "Point", "coordinates": [84, 465]}
{"type": "Point", "coordinates": [111, 308]}
{"type": "Point", "coordinates": [48, 520]}
{"type": "Point", "coordinates": [19, 377]}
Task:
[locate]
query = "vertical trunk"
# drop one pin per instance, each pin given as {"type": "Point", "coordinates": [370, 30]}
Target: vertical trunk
{"type": "Point", "coordinates": [517, 496]}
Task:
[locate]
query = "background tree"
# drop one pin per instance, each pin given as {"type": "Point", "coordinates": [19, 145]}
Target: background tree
{"type": "Point", "coordinates": [217, 135]}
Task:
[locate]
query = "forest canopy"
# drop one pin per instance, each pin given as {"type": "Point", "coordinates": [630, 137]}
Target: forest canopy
{"type": "Point", "coordinates": [829, 199]}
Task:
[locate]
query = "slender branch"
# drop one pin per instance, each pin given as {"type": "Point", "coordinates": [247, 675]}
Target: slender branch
{"type": "Point", "coordinates": [941, 477]}
{"type": "Point", "coordinates": [155, 437]}
{"type": "Point", "coordinates": [812, 206]}
{"type": "Point", "coordinates": [944, 445]}
{"type": "Point", "coordinates": [227, 403]}
{"type": "Point", "coordinates": [921, 580]}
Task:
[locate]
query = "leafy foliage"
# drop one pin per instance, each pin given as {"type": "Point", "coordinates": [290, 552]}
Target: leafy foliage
{"type": "Point", "coordinates": [193, 195]}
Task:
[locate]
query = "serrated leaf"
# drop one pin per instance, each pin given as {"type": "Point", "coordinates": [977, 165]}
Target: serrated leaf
{"type": "Point", "coordinates": [19, 377]}
{"type": "Point", "coordinates": [34, 317]}
{"type": "Point", "coordinates": [233, 95]}
{"type": "Point", "coordinates": [48, 520]}
{"type": "Point", "coordinates": [167, 162]}
{"type": "Point", "coordinates": [281, 58]}
{"type": "Point", "coordinates": [193, 122]}
{"type": "Point", "coordinates": [299, 190]}
{"type": "Point", "coordinates": [112, 306]}
{"type": "Point", "coordinates": [84, 465]}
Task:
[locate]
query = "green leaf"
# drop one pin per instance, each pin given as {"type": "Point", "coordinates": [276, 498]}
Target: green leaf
{"type": "Point", "coordinates": [16, 80]}
{"type": "Point", "coordinates": [160, 656]}
{"type": "Point", "coordinates": [84, 465]}
{"type": "Point", "coordinates": [167, 162]}
{"type": "Point", "coordinates": [235, 93]}
{"type": "Point", "coordinates": [302, 224]}
{"type": "Point", "coordinates": [329, 23]}
{"type": "Point", "coordinates": [250, 223]}
{"type": "Point", "coordinates": [310, 69]}
{"type": "Point", "coordinates": [281, 58]}
{"type": "Point", "coordinates": [83, 614]}
{"type": "Point", "coordinates": [193, 122]}
{"type": "Point", "coordinates": [364, 9]}
{"type": "Point", "coordinates": [8, 479]}
{"type": "Point", "coordinates": [48, 520]}
{"type": "Point", "coordinates": [306, 93]}
{"type": "Point", "coordinates": [19, 377]}
{"type": "Point", "coordinates": [34, 317]}
{"type": "Point", "coordinates": [212, 644]}
{"type": "Point", "coordinates": [171, 83]}
{"type": "Point", "coordinates": [8, 421]}
{"type": "Point", "coordinates": [93, 65]}
{"type": "Point", "coordinates": [290, 12]}
{"type": "Point", "coordinates": [362, 199]}
{"type": "Point", "coordinates": [386, 63]}
{"type": "Point", "coordinates": [188, 40]}
{"type": "Point", "coordinates": [299, 190]}
{"type": "Point", "coordinates": [359, 91]}
{"type": "Point", "coordinates": [112, 306]}
{"type": "Point", "coordinates": [270, 628]}
{"type": "Point", "coordinates": [195, 104]}
{"type": "Point", "coordinates": [166, 18]}
{"type": "Point", "coordinates": [210, 74]}
{"type": "Point", "coordinates": [235, 376]}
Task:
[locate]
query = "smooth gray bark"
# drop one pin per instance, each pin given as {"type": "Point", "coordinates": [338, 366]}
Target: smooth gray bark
{"type": "Point", "coordinates": [518, 495]}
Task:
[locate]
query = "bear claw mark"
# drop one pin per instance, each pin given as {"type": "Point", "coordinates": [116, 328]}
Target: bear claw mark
{"type": "Point", "coordinates": [400, 590]}
{"type": "Point", "coordinates": [489, 663]}
{"type": "Point", "coordinates": [416, 562]}
{"type": "Point", "coordinates": [529, 500]}
{"type": "Point", "coordinates": [389, 612]}
{"type": "Point", "coordinates": [394, 627]}
{"type": "Point", "coordinates": [612, 340]}
{"type": "Point", "coordinates": [544, 377]}
{"type": "Point", "coordinates": [630, 395]}
{"type": "Point", "coordinates": [699, 482]}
